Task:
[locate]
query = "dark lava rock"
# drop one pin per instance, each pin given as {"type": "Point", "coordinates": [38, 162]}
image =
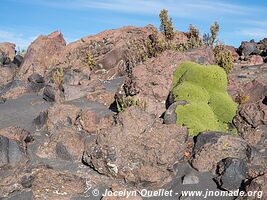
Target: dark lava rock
{"type": "Point", "coordinates": [11, 152]}
{"type": "Point", "coordinates": [26, 181]}
{"type": "Point", "coordinates": [18, 60]}
{"type": "Point", "coordinates": [36, 78]}
{"type": "Point", "coordinates": [2, 100]}
{"type": "Point", "coordinates": [49, 94]}
{"type": "Point", "coordinates": [170, 100]}
{"type": "Point", "coordinates": [264, 101]}
{"type": "Point", "coordinates": [37, 82]}
{"type": "Point", "coordinates": [170, 114]}
{"type": "Point", "coordinates": [41, 120]}
{"type": "Point", "coordinates": [62, 152]}
{"type": "Point", "coordinates": [3, 151]}
{"type": "Point", "coordinates": [248, 48]}
{"type": "Point", "coordinates": [74, 77]}
{"type": "Point", "coordinates": [208, 137]}
{"type": "Point", "coordinates": [232, 173]}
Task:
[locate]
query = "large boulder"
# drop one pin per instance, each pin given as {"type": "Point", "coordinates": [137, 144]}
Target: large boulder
{"type": "Point", "coordinates": [248, 48]}
{"type": "Point", "coordinates": [65, 143]}
{"type": "Point", "coordinates": [14, 89]}
{"type": "Point", "coordinates": [232, 173]}
{"type": "Point", "coordinates": [13, 147]}
{"type": "Point", "coordinates": [233, 51]}
{"type": "Point", "coordinates": [138, 148]}
{"type": "Point", "coordinates": [36, 82]}
{"type": "Point", "coordinates": [91, 122]}
{"type": "Point", "coordinates": [257, 186]}
{"type": "Point", "coordinates": [57, 116]}
{"type": "Point", "coordinates": [258, 165]}
{"type": "Point", "coordinates": [18, 134]}
{"type": "Point", "coordinates": [7, 69]}
{"type": "Point", "coordinates": [11, 153]}
{"type": "Point", "coordinates": [41, 54]}
{"type": "Point", "coordinates": [107, 53]}
{"type": "Point", "coordinates": [212, 147]}
{"type": "Point", "coordinates": [8, 49]}
{"type": "Point", "coordinates": [255, 60]}
{"type": "Point", "coordinates": [251, 118]}
{"type": "Point", "coordinates": [7, 74]}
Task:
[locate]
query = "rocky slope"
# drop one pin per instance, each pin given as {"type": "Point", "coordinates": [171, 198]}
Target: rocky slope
{"type": "Point", "coordinates": [61, 136]}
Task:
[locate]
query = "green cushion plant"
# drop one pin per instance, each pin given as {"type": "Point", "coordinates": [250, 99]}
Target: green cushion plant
{"type": "Point", "coordinates": [204, 87]}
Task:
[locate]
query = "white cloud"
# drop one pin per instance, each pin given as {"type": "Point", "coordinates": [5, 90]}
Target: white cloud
{"type": "Point", "coordinates": [253, 33]}
{"type": "Point", "coordinates": [19, 39]}
{"type": "Point", "coordinates": [178, 8]}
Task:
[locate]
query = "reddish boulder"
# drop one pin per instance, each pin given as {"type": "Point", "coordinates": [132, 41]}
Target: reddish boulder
{"type": "Point", "coordinates": [13, 90]}
{"type": "Point", "coordinates": [255, 60]}
{"type": "Point", "coordinates": [102, 96]}
{"type": "Point", "coordinates": [258, 186]}
{"type": "Point", "coordinates": [61, 115]}
{"type": "Point", "coordinates": [18, 134]}
{"type": "Point", "coordinates": [107, 52]}
{"type": "Point", "coordinates": [13, 147]}
{"type": "Point", "coordinates": [6, 75]}
{"type": "Point", "coordinates": [91, 122]}
{"type": "Point", "coordinates": [127, 149]}
{"type": "Point", "coordinates": [233, 51]}
{"type": "Point", "coordinates": [212, 147]}
{"type": "Point", "coordinates": [252, 113]}
{"type": "Point", "coordinates": [8, 49]}
{"type": "Point", "coordinates": [65, 143]}
{"type": "Point", "coordinates": [42, 54]}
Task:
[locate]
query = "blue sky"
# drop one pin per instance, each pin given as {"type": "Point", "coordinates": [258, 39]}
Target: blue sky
{"type": "Point", "coordinates": [23, 20]}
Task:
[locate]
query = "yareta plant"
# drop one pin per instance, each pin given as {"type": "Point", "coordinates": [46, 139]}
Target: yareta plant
{"type": "Point", "coordinates": [204, 87]}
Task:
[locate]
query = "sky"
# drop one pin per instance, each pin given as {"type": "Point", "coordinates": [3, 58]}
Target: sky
{"type": "Point", "coordinates": [22, 21]}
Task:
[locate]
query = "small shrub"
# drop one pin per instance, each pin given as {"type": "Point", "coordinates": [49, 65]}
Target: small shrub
{"type": "Point", "coordinates": [193, 36]}
{"type": "Point", "coordinates": [210, 39]}
{"type": "Point", "coordinates": [125, 102]}
{"type": "Point", "coordinates": [242, 98]}
{"type": "Point", "coordinates": [182, 47]}
{"type": "Point", "coordinates": [21, 52]}
{"type": "Point", "coordinates": [58, 76]}
{"type": "Point", "coordinates": [90, 61]}
{"type": "Point", "coordinates": [170, 32]}
{"type": "Point", "coordinates": [214, 29]}
{"type": "Point", "coordinates": [166, 26]}
{"type": "Point", "coordinates": [155, 45]}
{"type": "Point", "coordinates": [161, 45]}
{"type": "Point", "coordinates": [223, 58]}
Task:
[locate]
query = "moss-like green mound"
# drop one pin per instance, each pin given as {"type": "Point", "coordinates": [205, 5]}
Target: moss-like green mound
{"type": "Point", "coordinates": [204, 87]}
